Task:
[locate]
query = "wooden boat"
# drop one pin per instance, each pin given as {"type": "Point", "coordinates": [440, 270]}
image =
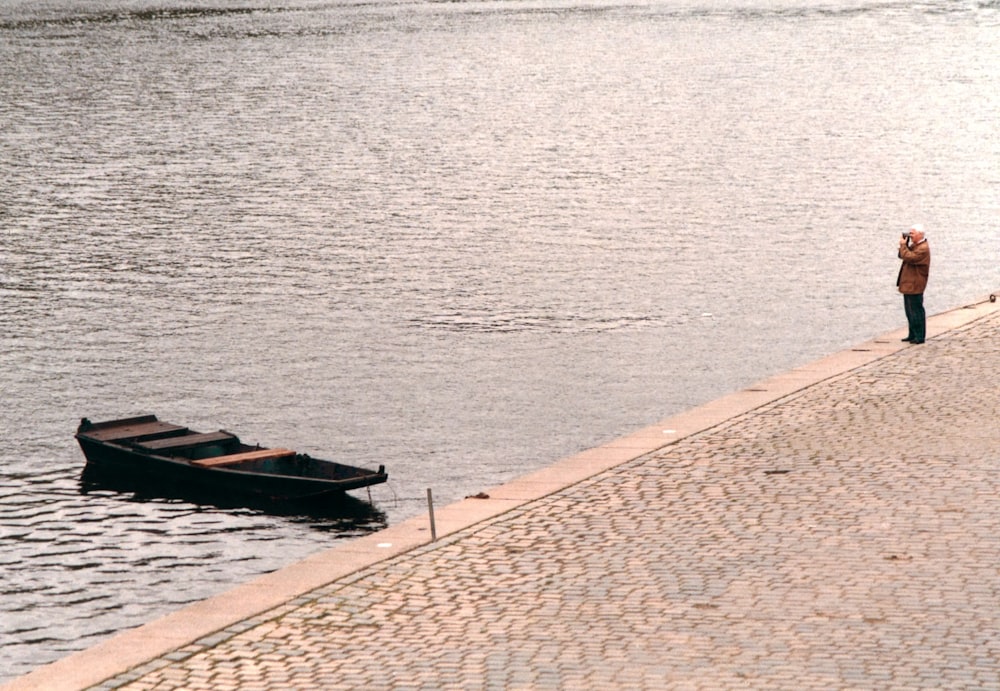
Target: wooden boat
{"type": "Point", "coordinates": [145, 448]}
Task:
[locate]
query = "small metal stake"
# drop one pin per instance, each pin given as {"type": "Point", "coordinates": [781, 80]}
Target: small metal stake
{"type": "Point", "coordinates": [430, 508]}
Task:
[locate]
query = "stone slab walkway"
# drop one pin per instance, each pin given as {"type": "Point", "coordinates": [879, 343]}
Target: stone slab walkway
{"type": "Point", "coordinates": [837, 526]}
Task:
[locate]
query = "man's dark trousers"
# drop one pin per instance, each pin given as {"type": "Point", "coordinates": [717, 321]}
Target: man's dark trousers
{"type": "Point", "coordinates": [917, 318]}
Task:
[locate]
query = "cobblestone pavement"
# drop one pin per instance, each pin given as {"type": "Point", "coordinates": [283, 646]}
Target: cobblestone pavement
{"type": "Point", "coordinates": [845, 536]}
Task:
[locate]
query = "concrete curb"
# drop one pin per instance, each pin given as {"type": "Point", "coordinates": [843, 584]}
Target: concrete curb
{"type": "Point", "coordinates": [135, 647]}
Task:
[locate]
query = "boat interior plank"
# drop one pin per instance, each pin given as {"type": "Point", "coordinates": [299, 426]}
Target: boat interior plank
{"type": "Point", "coordinates": [188, 440]}
{"type": "Point", "coordinates": [233, 458]}
{"type": "Point", "coordinates": [146, 430]}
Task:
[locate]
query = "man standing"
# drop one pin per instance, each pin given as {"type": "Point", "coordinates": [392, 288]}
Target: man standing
{"type": "Point", "coordinates": [912, 279]}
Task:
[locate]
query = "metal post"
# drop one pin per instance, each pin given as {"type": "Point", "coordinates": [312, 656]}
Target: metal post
{"type": "Point", "coordinates": [430, 508]}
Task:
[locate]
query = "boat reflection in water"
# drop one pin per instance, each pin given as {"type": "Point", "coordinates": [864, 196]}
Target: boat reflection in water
{"type": "Point", "coordinates": [345, 514]}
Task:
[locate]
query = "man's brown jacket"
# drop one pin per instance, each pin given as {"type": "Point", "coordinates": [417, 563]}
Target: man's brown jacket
{"type": "Point", "coordinates": [912, 279]}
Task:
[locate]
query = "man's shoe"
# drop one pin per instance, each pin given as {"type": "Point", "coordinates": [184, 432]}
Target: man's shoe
{"type": "Point", "coordinates": [906, 340]}
{"type": "Point", "coordinates": [916, 342]}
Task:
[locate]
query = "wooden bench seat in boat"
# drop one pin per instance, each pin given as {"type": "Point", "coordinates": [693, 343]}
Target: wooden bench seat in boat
{"type": "Point", "coordinates": [187, 441]}
{"type": "Point", "coordinates": [139, 430]}
{"type": "Point", "coordinates": [257, 455]}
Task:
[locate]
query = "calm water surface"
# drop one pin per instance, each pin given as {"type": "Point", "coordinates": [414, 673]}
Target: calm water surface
{"type": "Point", "coordinates": [461, 239]}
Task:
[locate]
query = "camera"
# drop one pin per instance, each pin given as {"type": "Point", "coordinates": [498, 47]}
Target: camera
{"type": "Point", "coordinates": [906, 235]}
